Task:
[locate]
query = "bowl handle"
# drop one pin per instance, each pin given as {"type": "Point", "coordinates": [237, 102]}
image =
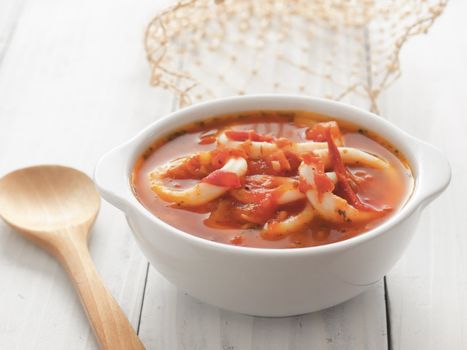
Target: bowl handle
{"type": "Point", "coordinates": [434, 173]}
{"type": "Point", "coordinates": [112, 179]}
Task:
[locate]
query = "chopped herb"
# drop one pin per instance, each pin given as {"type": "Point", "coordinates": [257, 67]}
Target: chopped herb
{"type": "Point", "coordinates": [343, 213]}
{"type": "Point", "coordinates": [176, 134]}
{"type": "Point", "coordinates": [362, 131]}
{"type": "Point", "coordinates": [148, 152]}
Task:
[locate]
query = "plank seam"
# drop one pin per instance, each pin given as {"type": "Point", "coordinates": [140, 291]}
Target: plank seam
{"type": "Point", "coordinates": [388, 317]}
{"type": "Point", "coordinates": [142, 299]}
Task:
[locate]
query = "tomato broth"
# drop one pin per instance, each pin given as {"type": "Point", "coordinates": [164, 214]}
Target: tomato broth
{"type": "Point", "coordinates": [249, 213]}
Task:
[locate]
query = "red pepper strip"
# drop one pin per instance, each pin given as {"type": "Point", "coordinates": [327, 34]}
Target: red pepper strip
{"type": "Point", "coordinates": [250, 135]}
{"type": "Point", "coordinates": [318, 132]}
{"type": "Point", "coordinates": [223, 179]}
{"type": "Point", "coordinates": [343, 175]}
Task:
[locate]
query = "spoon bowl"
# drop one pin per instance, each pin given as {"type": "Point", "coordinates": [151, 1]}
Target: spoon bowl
{"type": "Point", "coordinates": [70, 196]}
{"type": "Point", "coordinates": [55, 206]}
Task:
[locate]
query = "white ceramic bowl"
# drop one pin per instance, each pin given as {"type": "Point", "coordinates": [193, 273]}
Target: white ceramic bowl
{"type": "Point", "coordinates": [272, 282]}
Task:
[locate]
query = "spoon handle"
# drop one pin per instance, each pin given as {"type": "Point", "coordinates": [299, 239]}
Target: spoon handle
{"type": "Point", "coordinates": [110, 325]}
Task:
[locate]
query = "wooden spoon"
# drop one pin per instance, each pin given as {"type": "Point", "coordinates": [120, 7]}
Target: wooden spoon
{"type": "Point", "coordinates": [55, 206]}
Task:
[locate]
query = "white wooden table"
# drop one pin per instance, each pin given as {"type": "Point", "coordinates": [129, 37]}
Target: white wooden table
{"type": "Point", "coordinates": [74, 83]}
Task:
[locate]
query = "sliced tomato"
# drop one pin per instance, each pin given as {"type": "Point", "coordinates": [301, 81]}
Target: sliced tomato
{"type": "Point", "coordinates": [221, 156]}
{"type": "Point", "coordinates": [257, 188]}
{"type": "Point", "coordinates": [223, 179]}
{"type": "Point", "coordinates": [322, 182]}
{"type": "Point", "coordinates": [206, 140]}
{"type": "Point", "coordinates": [318, 132]}
{"type": "Point", "coordinates": [236, 240]}
{"type": "Point", "coordinates": [263, 210]}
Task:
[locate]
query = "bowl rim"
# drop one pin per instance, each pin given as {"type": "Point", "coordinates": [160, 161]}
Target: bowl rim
{"type": "Point", "coordinates": [135, 146]}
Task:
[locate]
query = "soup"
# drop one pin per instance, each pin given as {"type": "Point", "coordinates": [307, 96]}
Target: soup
{"type": "Point", "coordinates": [271, 179]}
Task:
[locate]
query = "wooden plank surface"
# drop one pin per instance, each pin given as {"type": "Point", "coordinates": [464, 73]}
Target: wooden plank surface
{"type": "Point", "coordinates": [428, 287]}
{"type": "Point", "coordinates": [173, 320]}
{"type": "Point", "coordinates": [73, 84]}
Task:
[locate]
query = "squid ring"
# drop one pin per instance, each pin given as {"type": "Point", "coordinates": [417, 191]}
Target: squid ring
{"type": "Point", "coordinates": [306, 147]}
{"type": "Point", "coordinates": [179, 168]}
{"type": "Point", "coordinates": [354, 156]}
{"type": "Point", "coordinates": [329, 206]}
{"type": "Point", "coordinates": [202, 192]}
{"type": "Point", "coordinates": [274, 230]}
{"type": "Point", "coordinates": [288, 190]}
{"type": "Point", "coordinates": [292, 193]}
{"type": "Point", "coordinates": [254, 149]}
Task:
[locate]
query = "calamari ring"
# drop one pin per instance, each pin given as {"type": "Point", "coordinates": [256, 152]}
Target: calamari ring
{"type": "Point", "coordinates": [202, 192]}
{"type": "Point", "coordinates": [329, 206]}
{"type": "Point", "coordinates": [274, 230]}
{"type": "Point", "coordinates": [306, 147]}
{"type": "Point", "coordinates": [180, 168]}
{"type": "Point", "coordinates": [254, 149]}
{"type": "Point", "coordinates": [287, 189]}
{"type": "Point", "coordinates": [353, 156]}
{"type": "Point", "coordinates": [292, 193]}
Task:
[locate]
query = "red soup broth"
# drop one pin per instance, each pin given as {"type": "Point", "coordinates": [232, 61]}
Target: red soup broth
{"type": "Point", "coordinates": [381, 191]}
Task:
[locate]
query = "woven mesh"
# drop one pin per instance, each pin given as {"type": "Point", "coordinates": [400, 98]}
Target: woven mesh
{"type": "Point", "coordinates": [338, 49]}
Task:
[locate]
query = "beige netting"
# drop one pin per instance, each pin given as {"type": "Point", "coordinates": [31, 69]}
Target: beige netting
{"type": "Point", "coordinates": [339, 49]}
